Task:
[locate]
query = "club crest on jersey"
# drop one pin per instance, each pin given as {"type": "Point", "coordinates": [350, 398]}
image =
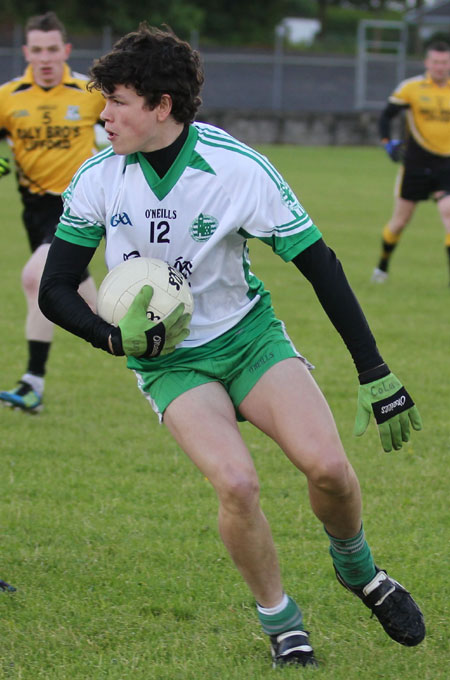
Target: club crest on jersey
{"type": "Point", "coordinates": [73, 113]}
{"type": "Point", "coordinates": [203, 227]}
{"type": "Point", "coordinates": [289, 198]}
{"type": "Point", "coordinates": [20, 113]}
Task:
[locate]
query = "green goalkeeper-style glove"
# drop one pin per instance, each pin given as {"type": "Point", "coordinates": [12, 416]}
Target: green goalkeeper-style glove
{"type": "Point", "coordinates": [392, 408]}
{"type": "Point", "coordinates": [141, 337]}
{"type": "Point", "coordinates": [5, 166]}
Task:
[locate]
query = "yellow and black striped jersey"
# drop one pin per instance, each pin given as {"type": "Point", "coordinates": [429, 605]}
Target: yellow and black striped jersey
{"type": "Point", "coordinates": [51, 131]}
{"type": "Point", "coordinates": [427, 112]}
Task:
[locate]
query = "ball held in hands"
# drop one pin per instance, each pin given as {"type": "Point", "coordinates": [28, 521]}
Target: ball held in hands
{"type": "Point", "coordinates": [144, 338]}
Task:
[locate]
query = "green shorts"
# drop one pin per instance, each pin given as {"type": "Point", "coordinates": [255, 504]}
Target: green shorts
{"type": "Point", "coordinates": [236, 359]}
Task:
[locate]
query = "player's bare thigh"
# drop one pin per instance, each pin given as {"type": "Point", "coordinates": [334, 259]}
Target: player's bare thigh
{"type": "Point", "coordinates": [203, 422]}
{"type": "Point", "coordinates": [289, 407]}
{"type": "Point", "coordinates": [32, 271]}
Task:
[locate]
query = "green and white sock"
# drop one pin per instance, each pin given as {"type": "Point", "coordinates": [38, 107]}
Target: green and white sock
{"type": "Point", "coordinates": [353, 559]}
{"type": "Point", "coordinates": [281, 618]}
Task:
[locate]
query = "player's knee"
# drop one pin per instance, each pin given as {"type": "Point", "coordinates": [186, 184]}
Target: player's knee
{"type": "Point", "coordinates": [31, 278]}
{"type": "Point", "coordinates": [438, 196]}
{"type": "Point", "coordinates": [331, 474]}
{"type": "Point", "coordinates": [239, 491]}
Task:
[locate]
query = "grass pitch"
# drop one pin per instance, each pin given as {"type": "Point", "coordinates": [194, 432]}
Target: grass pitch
{"type": "Point", "coordinates": [109, 533]}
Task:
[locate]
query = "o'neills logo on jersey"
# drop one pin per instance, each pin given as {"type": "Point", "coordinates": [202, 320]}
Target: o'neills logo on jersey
{"type": "Point", "coordinates": [289, 198]}
{"type": "Point", "coordinates": [203, 227]}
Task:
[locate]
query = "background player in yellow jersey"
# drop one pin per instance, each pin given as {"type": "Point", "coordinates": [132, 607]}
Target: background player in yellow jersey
{"type": "Point", "coordinates": [49, 117]}
{"type": "Point", "coordinates": [425, 154]}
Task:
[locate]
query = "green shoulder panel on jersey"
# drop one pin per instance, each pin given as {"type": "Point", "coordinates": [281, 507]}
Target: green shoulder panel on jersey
{"type": "Point", "coordinates": [287, 247]}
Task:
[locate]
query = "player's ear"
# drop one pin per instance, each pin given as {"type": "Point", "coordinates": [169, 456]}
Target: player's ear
{"type": "Point", "coordinates": [25, 53]}
{"type": "Point", "coordinates": [67, 50]}
{"type": "Point", "coordinates": [165, 106]}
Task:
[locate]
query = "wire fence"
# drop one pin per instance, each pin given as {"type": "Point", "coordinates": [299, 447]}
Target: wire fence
{"type": "Point", "coordinates": [271, 80]}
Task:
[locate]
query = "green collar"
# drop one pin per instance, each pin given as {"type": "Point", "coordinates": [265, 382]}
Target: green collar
{"type": "Point", "coordinates": [187, 157]}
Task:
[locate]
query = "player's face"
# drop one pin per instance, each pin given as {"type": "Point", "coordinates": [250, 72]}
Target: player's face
{"type": "Point", "coordinates": [46, 52]}
{"type": "Point", "coordinates": [438, 66]}
{"type": "Point", "coordinates": [130, 125]}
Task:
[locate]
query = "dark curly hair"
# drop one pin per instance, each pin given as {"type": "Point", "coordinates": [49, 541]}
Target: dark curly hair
{"type": "Point", "coordinates": [153, 62]}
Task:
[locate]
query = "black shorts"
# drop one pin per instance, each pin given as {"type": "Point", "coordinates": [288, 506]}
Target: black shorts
{"type": "Point", "coordinates": [418, 184]}
{"type": "Point", "coordinates": [41, 213]}
{"type": "Point", "coordinates": [423, 173]}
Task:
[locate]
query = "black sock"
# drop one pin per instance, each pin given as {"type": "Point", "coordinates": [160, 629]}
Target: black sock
{"type": "Point", "coordinates": [388, 244]}
{"type": "Point", "coordinates": [37, 357]}
{"type": "Point", "coordinates": [387, 249]}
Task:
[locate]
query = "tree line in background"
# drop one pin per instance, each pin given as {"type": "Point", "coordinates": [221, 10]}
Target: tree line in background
{"type": "Point", "coordinates": [216, 22]}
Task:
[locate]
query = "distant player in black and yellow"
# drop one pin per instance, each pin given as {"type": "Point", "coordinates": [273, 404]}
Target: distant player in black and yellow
{"type": "Point", "coordinates": [49, 119]}
{"type": "Point", "coordinates": [425, 154]}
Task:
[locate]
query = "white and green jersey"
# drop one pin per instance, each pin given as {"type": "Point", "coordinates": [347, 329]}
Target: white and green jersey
{"type": "Point", "coordinates": [217, 194]}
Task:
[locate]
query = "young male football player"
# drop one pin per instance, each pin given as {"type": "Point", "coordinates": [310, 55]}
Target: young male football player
{"type": "Point", "coordinates": [193, 196]}
{"type": "Point", "coordinates": [425, 170]}
{"type": "Point", "coordinates": [49, 117]}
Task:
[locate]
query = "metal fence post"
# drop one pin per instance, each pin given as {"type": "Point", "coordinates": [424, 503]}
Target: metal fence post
{"type": "Point", "coordinates": [277, 89]}
{"type": "Point", "coordinates": [377, 50]}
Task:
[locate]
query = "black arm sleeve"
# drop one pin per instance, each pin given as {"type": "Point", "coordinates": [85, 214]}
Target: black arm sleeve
{"type": "Point", "coordinates": [319, 265]}
{"type": "Point", "coordinates": [384, 121]}
{"type": "Point", "coordinates": [58, 294]}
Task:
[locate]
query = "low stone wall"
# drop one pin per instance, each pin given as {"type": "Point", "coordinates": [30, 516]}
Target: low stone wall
{"type": "Point", "coordinates": [305, 128]}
